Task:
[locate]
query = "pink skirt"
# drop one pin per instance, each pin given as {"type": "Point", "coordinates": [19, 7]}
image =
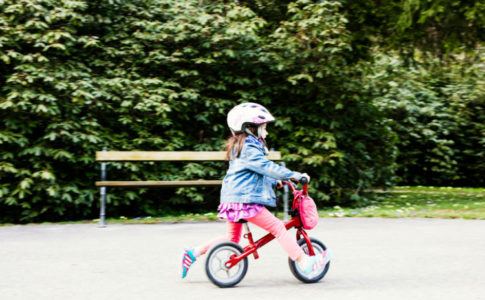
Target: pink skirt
{"type": "Point", "coordinates": [234, 212]}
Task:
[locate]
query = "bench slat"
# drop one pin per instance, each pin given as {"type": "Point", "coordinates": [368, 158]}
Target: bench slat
{"type": "Point", "coordinates": [169, 155]}
{"type": "Point", "coordinates": [175, 183]}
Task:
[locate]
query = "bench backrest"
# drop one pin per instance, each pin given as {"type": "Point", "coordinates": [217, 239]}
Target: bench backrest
{"type": "Point", "coordinates": [169, 155]}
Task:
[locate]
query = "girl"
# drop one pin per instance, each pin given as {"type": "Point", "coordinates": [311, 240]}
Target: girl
{"type": "Point", "coordinates": [248, 188]}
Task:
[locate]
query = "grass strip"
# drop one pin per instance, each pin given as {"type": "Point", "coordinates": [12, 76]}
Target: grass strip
{"type": "Point", "coordinates": [418, 202]}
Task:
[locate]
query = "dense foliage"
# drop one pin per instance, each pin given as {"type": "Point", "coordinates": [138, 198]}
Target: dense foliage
{"type": "Point", "coordinates": [80, 76]}
{"type": "Point", "coordinates": [438, 113]}
{"type": "Point", "coordinates": [440, 27]}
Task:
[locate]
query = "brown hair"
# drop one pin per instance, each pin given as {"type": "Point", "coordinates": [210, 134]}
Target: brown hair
{"type": "Point", "coordinates": [235, 143]}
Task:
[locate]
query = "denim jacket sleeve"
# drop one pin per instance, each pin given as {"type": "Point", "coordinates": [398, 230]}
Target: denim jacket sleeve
{"type": "Point", "coordinates": [253, 157]}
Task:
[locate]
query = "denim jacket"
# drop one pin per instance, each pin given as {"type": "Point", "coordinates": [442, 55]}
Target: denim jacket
{"type": "Point", "coordinates": [251, 177]}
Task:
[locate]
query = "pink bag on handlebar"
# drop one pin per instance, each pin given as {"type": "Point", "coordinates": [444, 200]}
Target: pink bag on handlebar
{"type": "Point", "coordinates": [307, 210]}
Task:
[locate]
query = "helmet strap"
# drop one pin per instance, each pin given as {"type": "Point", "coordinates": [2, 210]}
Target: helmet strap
{"type": "Point", "coordinates": [259, 137]}
{"type": "Point", "coordinates": [248, 131]}
{"type": "Point", "coordinates": [260, 131]}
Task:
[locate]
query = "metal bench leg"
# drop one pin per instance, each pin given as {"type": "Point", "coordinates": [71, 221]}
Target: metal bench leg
{"type": "Point", "coordinates": [102, 190]}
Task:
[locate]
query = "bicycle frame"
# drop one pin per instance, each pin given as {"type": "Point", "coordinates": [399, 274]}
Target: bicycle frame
{"type": "Point", "coordinates": [294, 222]}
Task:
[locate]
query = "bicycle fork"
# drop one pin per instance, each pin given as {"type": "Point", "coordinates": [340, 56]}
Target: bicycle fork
{"type": "Point", "coordinates": [248, 235]}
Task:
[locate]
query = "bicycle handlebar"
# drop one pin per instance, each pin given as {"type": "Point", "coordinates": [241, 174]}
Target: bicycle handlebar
{"type": "Point", "coordinates": [304, 183]}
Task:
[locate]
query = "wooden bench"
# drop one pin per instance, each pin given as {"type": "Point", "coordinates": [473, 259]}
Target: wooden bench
{"type": "Point", "coordinates": [133, 156]}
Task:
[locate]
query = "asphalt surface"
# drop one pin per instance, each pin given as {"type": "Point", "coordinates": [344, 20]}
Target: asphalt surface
{"type": "Point", "coordinates": [373, 259]}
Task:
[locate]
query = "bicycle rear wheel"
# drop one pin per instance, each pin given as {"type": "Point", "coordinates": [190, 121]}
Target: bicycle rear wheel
{"type": "Point", "coordinates": [315, 276]}
{"type": "Point", "coordinates": [216, 269]}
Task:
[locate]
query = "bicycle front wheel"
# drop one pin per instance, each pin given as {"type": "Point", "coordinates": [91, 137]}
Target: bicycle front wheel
{"type": "Point", "coordinates": [315, 276]}
{"type": "Point", "coordinates": [215, 265]}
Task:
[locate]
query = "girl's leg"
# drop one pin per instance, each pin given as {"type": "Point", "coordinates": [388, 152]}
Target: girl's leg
{"type": "Point", "coordinates": [190, 255]}
{"type": "Point", "coordinates": [267, 221]}
{"type": "Point", "coordinates": [233, 235]}
{"type": "Point", "coordinates": [276, 227]}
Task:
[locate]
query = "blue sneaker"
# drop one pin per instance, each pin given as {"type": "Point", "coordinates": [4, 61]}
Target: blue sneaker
{"type": "Point", "coordinates": [315, 263]}
{"type": "Point", "coordinates": [188, 259]}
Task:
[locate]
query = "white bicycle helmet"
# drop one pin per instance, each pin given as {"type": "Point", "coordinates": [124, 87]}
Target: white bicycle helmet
{"type": "Point", "coordinates": [241, 116]}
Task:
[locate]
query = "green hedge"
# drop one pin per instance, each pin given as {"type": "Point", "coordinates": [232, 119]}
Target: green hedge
{"type": "Point", "coordinates": [438, 113]}
{"type": "Point", "coordinates": [80, 76]}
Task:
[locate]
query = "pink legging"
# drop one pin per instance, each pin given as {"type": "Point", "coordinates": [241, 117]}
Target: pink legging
{"type": "Point", "coordinates": [265, 220]}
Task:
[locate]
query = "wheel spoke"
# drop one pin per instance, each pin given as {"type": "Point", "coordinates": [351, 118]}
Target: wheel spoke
{"type": "Point", "coordinates": [218, 270]}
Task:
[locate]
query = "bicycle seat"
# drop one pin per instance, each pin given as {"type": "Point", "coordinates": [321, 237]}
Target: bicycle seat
{"type": "Point", "coordinates": [242, 221]}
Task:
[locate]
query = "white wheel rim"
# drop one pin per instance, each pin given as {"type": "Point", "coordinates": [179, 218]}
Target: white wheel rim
{"type": "Point", "coordinates": [217, 267]}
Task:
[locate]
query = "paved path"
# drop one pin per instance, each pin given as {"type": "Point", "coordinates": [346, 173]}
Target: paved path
{"type": "Point", "coordinates": [373, 259]}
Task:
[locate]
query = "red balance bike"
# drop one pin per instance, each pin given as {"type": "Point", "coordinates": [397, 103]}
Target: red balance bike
{"type": "Point", "coordinates": [227, 263]}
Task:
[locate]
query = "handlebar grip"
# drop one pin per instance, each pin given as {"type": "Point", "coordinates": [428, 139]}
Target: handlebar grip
{"type": "Point", "coordinates": [304, 180]}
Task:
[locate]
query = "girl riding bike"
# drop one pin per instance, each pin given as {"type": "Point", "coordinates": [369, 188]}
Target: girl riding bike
{"type": "Point", "coordinates": [248, 188]}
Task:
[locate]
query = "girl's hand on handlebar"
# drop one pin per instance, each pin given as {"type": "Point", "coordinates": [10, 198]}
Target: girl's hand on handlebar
{"type": "Point", "coordinates": [304, 175]}
{"type": "Point", "coordinates": [279, 184]}
{"type": "Point", "coordinates": [307, 177]}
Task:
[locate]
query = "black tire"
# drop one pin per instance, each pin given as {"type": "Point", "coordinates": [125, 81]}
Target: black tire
{"type": "Point", "coordinates": [319, 247]}
{"type": "Point", "coordinates": [217, 272]}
